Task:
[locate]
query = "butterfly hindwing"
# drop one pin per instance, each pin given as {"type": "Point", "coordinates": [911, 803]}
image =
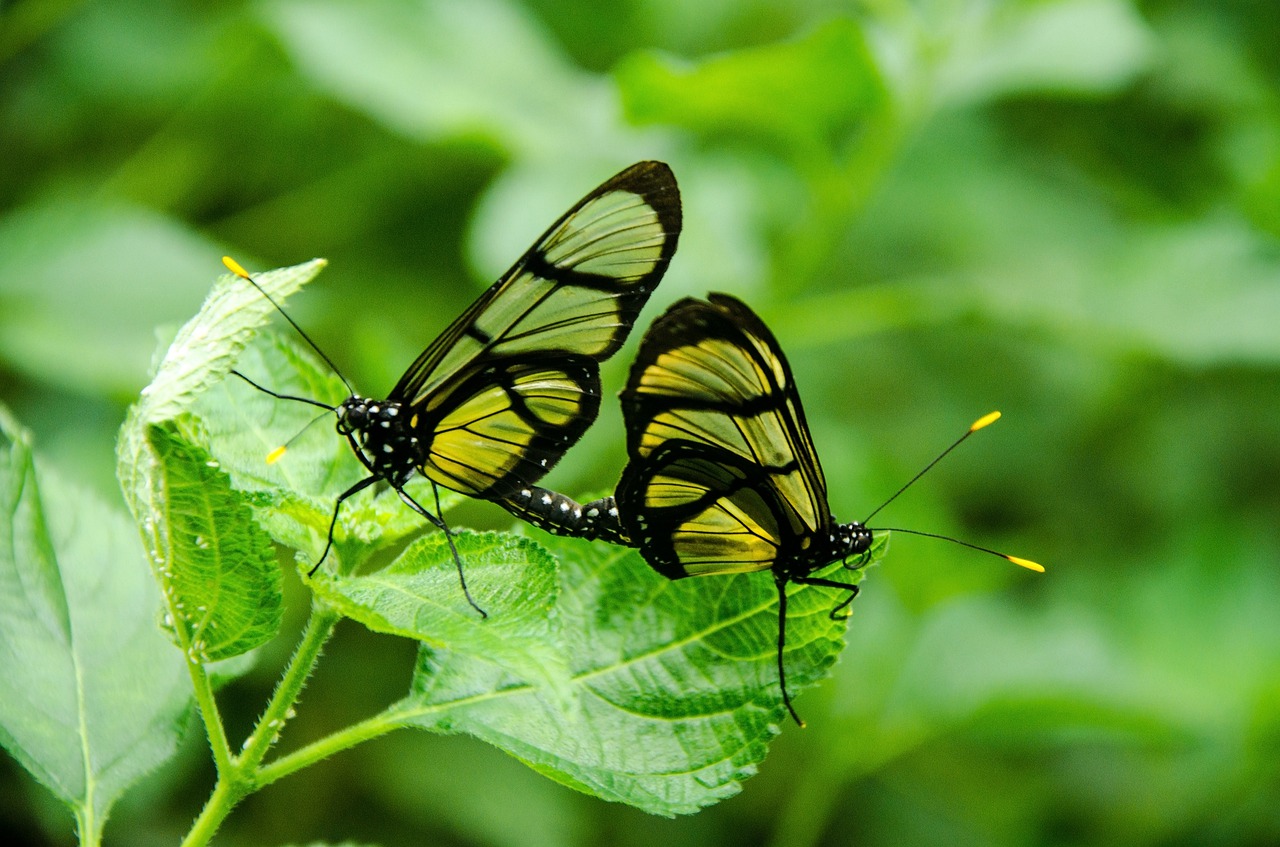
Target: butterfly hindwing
{"type": "Point", "coordinates": [510, 421]}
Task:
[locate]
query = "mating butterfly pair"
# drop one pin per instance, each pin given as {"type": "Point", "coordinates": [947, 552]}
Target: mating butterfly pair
{"type": "Point", "coordinates": [722, 477]}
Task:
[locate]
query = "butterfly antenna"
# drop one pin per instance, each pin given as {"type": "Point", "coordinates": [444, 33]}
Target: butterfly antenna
{"type": "Point", "coordinates": [984, 421]}
{"type": "Point", "coordinates": [237, 269]}
{"type": "Point", "coordinates": [274, 455]}
{"type": "Point", "coordinates": [279, 396]}
{"type": "Point", "coordinates": [1020, 562]}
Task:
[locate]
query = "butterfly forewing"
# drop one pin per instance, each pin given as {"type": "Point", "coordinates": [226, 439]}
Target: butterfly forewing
{"type": "Point", "coordinates": [579, 287]}
{"type": "Point", "coordinates": [514, 381]}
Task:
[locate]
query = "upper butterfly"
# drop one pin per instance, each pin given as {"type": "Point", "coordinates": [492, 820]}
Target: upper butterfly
{"type": "Point", "coordinates": [723, 477]}
{"type": "Point", "coordinates": [495, 401]}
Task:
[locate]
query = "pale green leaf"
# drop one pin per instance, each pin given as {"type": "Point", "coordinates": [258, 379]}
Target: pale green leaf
{"type": "Point", "coordinates": [83, 286]}
{"type": "Point", "coordinates": [92, 696]}
{"type": "Point", "coordinates": [294, 496]}
{"type": "Point", "coordinates": [419, 596]}
{"type": "Point", "coordinates": [449, 68]}
{"type": "Point", "coordinates": [1076, 46]}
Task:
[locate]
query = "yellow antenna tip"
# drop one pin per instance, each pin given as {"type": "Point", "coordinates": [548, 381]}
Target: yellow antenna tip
{"type": "Point", "coordinates": [985, 420]}
{"type": "Point", "coordinates": [235, 267]}
{"type": "Point", "coordinates": [274, 456]}
{"type": "Point", "coordinates": [1026, 563]}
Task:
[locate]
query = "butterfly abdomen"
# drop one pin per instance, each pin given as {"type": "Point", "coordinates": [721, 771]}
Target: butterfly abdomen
{"type": "Point", "coordinates": [597, 520]}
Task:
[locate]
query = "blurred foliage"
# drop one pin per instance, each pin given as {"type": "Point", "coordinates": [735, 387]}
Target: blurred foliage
{"type": "Point", "coordinates": [1065, 209]}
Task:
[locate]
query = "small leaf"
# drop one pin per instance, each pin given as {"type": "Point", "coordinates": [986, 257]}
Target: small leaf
{"type": "Point", "coordinates": [92, 696]}
{"type": "Point", "coordinates": [807, 95]}
{"type": "Point", "coordinates": [216, 567]}
{"type": "Point", "coordinates": [200, 356]}
{"type": "Point", "coordinates": [673, 690]}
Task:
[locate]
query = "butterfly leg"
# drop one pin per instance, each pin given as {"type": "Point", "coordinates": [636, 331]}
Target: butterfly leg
{"type": "Point", "coordinates": [439, 523]}
{"type": "Point", "coordinates": [782, 644]}
{"type": "Point", "coordinates": [333, 522]}
{"type": "Point", "coordinates": [831, 583]}
{"type": "Point", "coordinates": [859, 561]}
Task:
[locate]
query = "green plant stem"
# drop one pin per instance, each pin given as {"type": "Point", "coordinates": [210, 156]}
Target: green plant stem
{"type": "Point", "coordinates": [220, 803]}
{"type": "Point", "coordinates": [239, 776]}
{"type": "Point", "coordinates": [319, 629]}
{"type": "Point", "coordinates": [208, 705]}
{"type": "Point", "coordinates": [380, 724]}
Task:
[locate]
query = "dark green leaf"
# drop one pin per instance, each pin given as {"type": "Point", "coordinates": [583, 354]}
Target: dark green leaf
{"type": "Point", "coordinates": [672, 693]}
{"type": "Point", "coordinates": [216, 567]}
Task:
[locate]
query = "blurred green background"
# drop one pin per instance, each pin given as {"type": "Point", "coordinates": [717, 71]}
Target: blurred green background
{"type": "Point", "coordinates": [1064, 210]}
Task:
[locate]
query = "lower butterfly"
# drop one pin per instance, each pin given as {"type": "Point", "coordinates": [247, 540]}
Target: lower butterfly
{"type": "Point", "coordinates": [722, 475]}
{"type": "Point", "coordinates": [498, 397]}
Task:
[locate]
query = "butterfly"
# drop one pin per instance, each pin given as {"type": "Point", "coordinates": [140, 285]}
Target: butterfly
{"type": "Point", "coordinates": [723, 476]}
{"type": "Point", "coordinates": [498, 397]}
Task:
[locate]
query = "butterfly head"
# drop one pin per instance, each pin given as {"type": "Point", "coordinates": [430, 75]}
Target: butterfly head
{"type": "Point", "coordinates": [851, 539]}
{"type": "Point", "coordinates": [353, 414]}
{"type": "Point", "coordinates": [386, 441]}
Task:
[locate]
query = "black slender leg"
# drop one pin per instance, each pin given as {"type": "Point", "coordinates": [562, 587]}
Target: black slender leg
{"type": "Point", "coordinates": [831, 583]}
{"type": "Point", "coordinates": [782, 644]}
{"type": "Point", "coordinates": [440, 524]}
{"type": "Point", "coordinates": [355, 489]}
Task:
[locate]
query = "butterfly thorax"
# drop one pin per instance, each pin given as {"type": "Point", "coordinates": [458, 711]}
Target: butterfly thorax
{"type": "Point", "coordinates": [843, 542]}
{"type": "Point", "coordinates": [382, 438]}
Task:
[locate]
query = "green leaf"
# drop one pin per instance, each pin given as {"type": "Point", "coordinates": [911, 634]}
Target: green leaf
{"type": "Point", "coordinates": [74, 287]}
{"type": "Point", "coordinates": [418, 596]}
{"type": "Point", "coordinates": [380, 57]}
{"type": "Point", "coordinates": [673, 688]}
{"type": "Point", "coordinates": [92, 696]}
{"type": "Point", "coordinates": [807, 96]}
{"type": "Point", "coordinates": [206, 347]}
{"type": "Point", "coordinates": [294, 496]}
{"type": "Point", "coordinates": [216, 567]}
{"type": "Point", "coordinates": [200, 356]}
{"type": "Point", "coordinates": [1078, 46]}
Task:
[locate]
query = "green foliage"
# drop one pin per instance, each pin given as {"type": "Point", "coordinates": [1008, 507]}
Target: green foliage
{"type": "Point", "coordinates": [665, 694]}
{"type": "Point", "coordinates": [803, 97]}
{"type": "Point", "coordinates": [1065, 209]}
